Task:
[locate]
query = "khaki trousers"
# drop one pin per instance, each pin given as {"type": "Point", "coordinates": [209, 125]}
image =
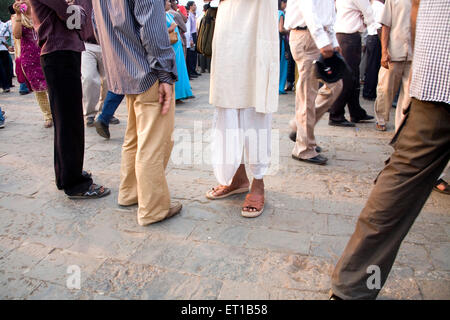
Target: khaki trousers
{"type": "Point", "coordinates": [145, 153]}
{"type": "Point", "coordinates": [421, 152]}
{"type": "Point", "coordinates": [311, 103]}
{"type": "Point", "coordinates": [389, 81]}
{"type": "Point", "coordinates": [93, 78]}
{"type": "Point", "coordinates": [44, 104]}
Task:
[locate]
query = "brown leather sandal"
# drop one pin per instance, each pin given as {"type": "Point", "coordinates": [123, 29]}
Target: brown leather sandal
{"type": "Point", "coordinates": [226, 191]}
{"type": "Point", "coordinates": [253, 201]}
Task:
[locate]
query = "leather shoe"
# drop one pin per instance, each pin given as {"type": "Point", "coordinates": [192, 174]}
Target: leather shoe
{"type": "Point", "coordinates": [102, 129]}
{"type": "Point", "coordinates": [366, 118]}
{"type": "Point", "coordinates": [320, 160]}
{"type": "Point", "coordinates": [293, 137]}
{"type": "Point", "coordinates": [341, 123]}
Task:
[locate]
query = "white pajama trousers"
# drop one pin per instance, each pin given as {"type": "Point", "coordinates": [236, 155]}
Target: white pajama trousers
{"type": "Point", "coordinates": [239, 136]}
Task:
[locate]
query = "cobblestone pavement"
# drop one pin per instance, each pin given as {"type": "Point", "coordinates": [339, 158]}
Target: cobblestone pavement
{"type": "Point", "coordinates": [208, 251]}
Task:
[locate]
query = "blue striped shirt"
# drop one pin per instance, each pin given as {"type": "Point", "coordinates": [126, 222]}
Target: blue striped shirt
{"type": "Point", "coordinates": [135, 44]}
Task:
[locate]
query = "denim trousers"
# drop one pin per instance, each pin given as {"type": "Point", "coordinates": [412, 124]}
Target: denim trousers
{"type": "Point", "coordinates": [110, 106]}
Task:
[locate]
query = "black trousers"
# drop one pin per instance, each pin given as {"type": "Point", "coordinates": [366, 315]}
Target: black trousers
{"type": "Point", "coordinates": [291, 66]}
{"type": "Point", "coordinates": [62, 71]}
{"type": "Point", "coordinates": [373, 47]}
{"type": "Point", "coordinates": [351, 50]}
{"type": "Point", "coordinates": [191, 57]}
{"type": "Point", "coordinates": [6, 70]}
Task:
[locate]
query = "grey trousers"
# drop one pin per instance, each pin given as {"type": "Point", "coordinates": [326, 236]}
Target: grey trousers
{"type": "Point", "coordinates": [422, 150]}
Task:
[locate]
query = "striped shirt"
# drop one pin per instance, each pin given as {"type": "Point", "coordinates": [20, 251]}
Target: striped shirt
{"type": "Point", "coordinates": [135, 44]}
{"type": "Point", "coordinates": [431, 64]}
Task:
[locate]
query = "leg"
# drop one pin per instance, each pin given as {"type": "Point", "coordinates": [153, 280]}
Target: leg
{"type": "Point", "coordinates": [62, 73]}
{"type": "Point", "coordinates": [373, 48]}
{"type": "Point", "coordinates": [91, 81]}
{"type": "Point", "coordinates": [227, 154]}
{"type": "Point", "coordinates": [44, 104]}
{"type": "Point", "coordinates": [110, 106]}
{"type": "Point", "coordinates": [128, 194]}
{"type": "Point", "coordinates": [304, 52]}
{"type": "Point", "coordinates": [154, 146]}
{"type": "Point", "coordinates": [403, 99]}
{"type": "Point", "coordinates": [422, 150]}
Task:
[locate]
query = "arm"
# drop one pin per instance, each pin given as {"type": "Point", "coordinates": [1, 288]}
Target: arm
{"type": "Point", "coordinates": [385, 57]}
{"type": "Point", "coordinates": [151, 19]}
{"type": "Point", "coordinates": [180, 22]}
{"type": "Point", "coordinates": [414, 11]}
{"type": "Point", "coordinates": [281, 28]}
{"type": "Point", "coordinates": [17, 28]}
{"type": "Point", "coordinates": [366, 10]}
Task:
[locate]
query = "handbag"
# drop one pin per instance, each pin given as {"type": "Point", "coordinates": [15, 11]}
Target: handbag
{"type": "Point", "coordinates": [173, 37]}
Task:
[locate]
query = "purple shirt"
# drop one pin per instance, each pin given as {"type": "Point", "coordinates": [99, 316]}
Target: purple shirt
{"type": "Point", "coordinates": [87, 33]}
{"type": "Point", "coordinates": [50, 22]}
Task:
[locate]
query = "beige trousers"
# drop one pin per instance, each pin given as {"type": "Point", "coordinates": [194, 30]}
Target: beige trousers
{"type": "Point", "coordinates": [145, 153]}
{"type": "Point", "coordinates": [93, 79]}
{"type": "Point", "coordinates": [311, 103]}
{"type": "Point", "coordinates": [389, 81]}
{"type": "Point", "coordinates": [44, 104]}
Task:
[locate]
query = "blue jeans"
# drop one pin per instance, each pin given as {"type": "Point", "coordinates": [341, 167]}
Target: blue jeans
{"type": "Point", "coordinates": [1, 115]}
{"type": "Point", "coordinates": [110, 106]}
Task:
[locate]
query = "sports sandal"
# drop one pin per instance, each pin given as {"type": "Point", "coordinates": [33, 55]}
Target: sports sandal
{"type": "Point", "coordinates": [95, 191]}
{"type": "Point", "coordinates": [226, 192]}
{"type": "Point", "coordinates": [253, 201]}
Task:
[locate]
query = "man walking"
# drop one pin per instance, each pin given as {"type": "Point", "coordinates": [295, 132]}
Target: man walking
{"type": "Point", "coordinates": [311, 24]}
{"type": "Point", "coordinates": [352, 17]}
{"type": "Point", "coordinates": [422, 150]}
{"type": "Point", "coordinates": [396, 57]}
{"type": "Point", "coordinates": [144, 70]}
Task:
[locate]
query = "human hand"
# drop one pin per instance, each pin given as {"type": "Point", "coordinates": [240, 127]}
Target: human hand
{"type": "Point", "coordinates": [338, 50]}
{"type": "Point", "coordinates": [327, 51]}
{"type": "Point", "coordinates": [385, 60]}
{"type": "Point", "coordinates": [165, 97]}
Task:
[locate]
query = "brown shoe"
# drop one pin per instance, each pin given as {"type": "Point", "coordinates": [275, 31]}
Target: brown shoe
{"type": "Point", "coordinates": [175, 208]}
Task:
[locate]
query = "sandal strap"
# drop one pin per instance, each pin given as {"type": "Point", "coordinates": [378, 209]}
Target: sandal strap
{"type": "Point", "coordinates": [255, 201]}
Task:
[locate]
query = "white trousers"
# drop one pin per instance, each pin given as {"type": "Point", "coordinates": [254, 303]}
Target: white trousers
{"type": "Point", "coordinates": [239, 136]}
{"type": "Point", "coordinates": [93, 78]}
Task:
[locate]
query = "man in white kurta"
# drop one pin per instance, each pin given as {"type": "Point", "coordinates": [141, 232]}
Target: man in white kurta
{"type": "Point", "coordinates": [244, 90]}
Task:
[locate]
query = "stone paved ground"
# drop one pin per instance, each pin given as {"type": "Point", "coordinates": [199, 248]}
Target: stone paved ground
{"type": "Point", "coordinates": [208, 251]}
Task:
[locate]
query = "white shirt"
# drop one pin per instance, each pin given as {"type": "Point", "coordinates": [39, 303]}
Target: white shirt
{"type": "Point", "coordinates": [318, 15]}
{"type": "Point", "coordinates": [353, 15]}
{"type": "Point", "coordinates": [4, 32]}
{"type": "Point", "coordinates": [377, 8]}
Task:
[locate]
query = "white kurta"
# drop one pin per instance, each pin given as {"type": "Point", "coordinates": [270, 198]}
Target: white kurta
{"type": "Point", "coordinates": [245, 62]}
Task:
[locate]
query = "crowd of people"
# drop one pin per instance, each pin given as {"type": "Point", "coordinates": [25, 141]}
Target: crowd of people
{"type": "Point", "coordinates": [145, 52]}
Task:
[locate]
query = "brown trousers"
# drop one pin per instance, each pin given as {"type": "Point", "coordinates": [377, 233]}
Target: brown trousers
{"type": "Point", "coordinates": [421, 152]}
{"type": "Point", "coordinates": [145, 153]}
{"type": "Point", "coordinates": [311, 103]}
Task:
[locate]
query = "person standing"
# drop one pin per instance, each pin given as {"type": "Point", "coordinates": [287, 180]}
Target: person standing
{"type": "Point", "coordinates": [179, 20]}
{"type": "Point", "coordinates": [61, 49]}
{"type": "Point", "coordinates": [182, 86]}
{"type": "Point", "coordinates": [283, 54]}
{"type": "Point", "coordinates": [144, 71]}
{"type": "Point", "coordinates": [245, 96]}
{"type": "Point", "coordinates": [6, 67]}
{"type": "Point", "coordinates": [373, 52]}
{"type": "Point", "coordinates": [396, 60]}
{"type": "Point", "coordinates": [352, 17]}
{"type": "Point", "coordinates": [311, 24]}
{"type": "Point", "coordinates": [191, 40]}
{"type": "Point", "coordinates": [421, 152]}
{"type": "Point", "coordinates": [28, 62]}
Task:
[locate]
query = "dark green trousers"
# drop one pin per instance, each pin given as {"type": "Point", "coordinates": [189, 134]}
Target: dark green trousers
{"type": "Point", "coordinates": [421, 152]}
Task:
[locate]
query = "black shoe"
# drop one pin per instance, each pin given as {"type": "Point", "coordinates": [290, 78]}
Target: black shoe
{"type": "Point", "coordinates": [366, 118]}
{"type": "Point", "coordinates": [23, 93]}
{"type": "Point", "coordinates": [370, 98]}
{"type": "Point", "coordinates": [102, 129]}
{"type": "Point", "coordinates": [341, 123]}
{"type": "Point", "coordinates": [114, 120]}
{"type": "Point", "coordinates": [320, 160]}
{"type": "Point", "coordinates": [90, 121]}
{"type": "Point", "coordinates": [334, 297]}
{"type": "Point", "coordinates": [289, 87]}
{"type": "Point", "coordinates": [293, 137]}
{"type": "Point", "coordinates": [197, 74]}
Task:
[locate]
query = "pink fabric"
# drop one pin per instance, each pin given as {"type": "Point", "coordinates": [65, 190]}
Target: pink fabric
{"type": "Point", "coordinates": [30, 60]}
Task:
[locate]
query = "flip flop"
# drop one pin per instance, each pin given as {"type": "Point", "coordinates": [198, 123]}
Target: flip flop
{"type": "Point", "coordinates": [253, 201]}
{"type": "Point", "coordinates": [211, 196]}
